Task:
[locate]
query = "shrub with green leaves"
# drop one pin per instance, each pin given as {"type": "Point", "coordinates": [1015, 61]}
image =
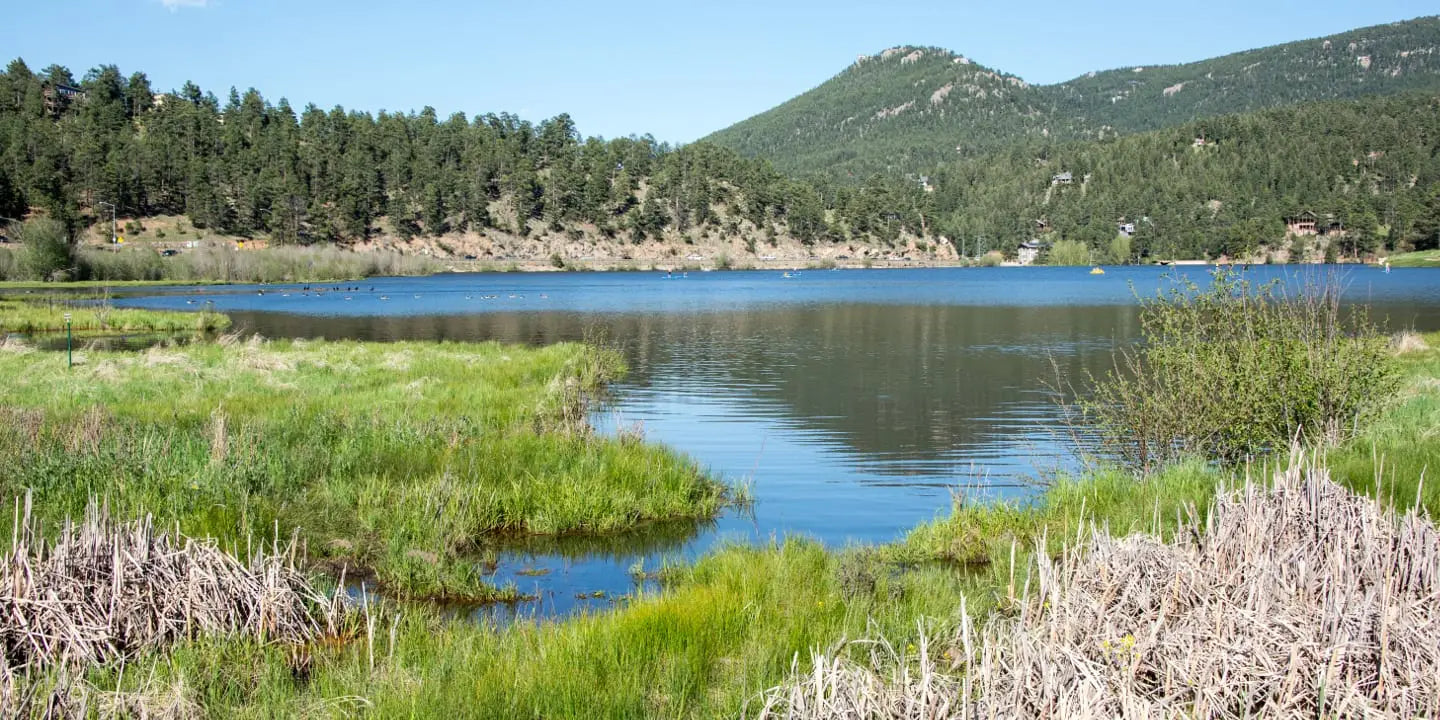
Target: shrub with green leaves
{"type": "Point", "coordinates": [1069, 252]}
{"type": "Point", "coordinates": [48, 252]}
{"type": "Point", "coordinates": [1234, 371]}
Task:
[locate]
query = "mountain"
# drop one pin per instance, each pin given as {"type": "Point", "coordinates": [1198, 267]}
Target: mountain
{"type": "Point", "coordinates": [910, 108]}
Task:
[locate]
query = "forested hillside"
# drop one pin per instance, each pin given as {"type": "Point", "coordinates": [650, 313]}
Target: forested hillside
{"type": "Point", "coordinates": [244, 166]}
{"type": "Point", "coordinates": [1221, 185]}
{"type": "Point", "coordinates": [909, 108]}
{"type": "Point", "coordinates": [1217, 186]}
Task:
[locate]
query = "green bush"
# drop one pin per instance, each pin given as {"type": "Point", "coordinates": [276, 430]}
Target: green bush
{"type": "Point", "coordinates": [47, 251]}
{"type": "Point", "coordinates": [1235, 371]}
{"type": "Point", "coordinates": [1119, 250]}
{"type": "Point", "coordinates": [1069, 252]}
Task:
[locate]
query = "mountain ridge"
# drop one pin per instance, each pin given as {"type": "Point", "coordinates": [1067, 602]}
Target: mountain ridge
{"type": "Point", "coordinates": [911, 107]}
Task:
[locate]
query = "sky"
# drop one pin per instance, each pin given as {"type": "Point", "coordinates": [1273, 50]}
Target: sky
{"type": "Point", "coordinates": [675, 70]}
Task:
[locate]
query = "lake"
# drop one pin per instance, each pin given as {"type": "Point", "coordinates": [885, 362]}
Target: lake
{"type": "Point", "coordinates": [854, 403]}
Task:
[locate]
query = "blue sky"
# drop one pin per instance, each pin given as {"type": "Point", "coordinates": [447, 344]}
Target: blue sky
{"type": "Point", "coordinates": [672, 69]}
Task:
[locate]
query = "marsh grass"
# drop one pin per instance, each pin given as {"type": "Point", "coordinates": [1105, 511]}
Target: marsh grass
{"type": "Point", "coordinates": [398, 458]}
{"type": "Point", "coordinates": [220, 262]}
{"type": "Point", "coordinates": [741, 620]}
{"type": "Point", "coordinates": [1292, 598]}
{"type": "Point", "coordinates": [100, 317]}
{"type": "Point", "coordinates": [103, 592]}
{"type": "Point", "coordinates": [705, 646]}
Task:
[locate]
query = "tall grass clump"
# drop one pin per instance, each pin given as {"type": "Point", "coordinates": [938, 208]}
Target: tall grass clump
{"type": "Point", "coordinates": [1235, 370]}
{"type": "Point", "coordinates": [220, 262]}
{"type": "Point", "coordinates": [103, 592]}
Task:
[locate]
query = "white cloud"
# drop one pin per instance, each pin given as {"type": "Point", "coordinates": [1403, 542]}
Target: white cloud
{"type": "Point", "coordinates": [173, 5]}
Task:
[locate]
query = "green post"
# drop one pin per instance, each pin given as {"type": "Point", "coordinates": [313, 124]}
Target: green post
{"type": "Point", "coordinates": [69, 356]}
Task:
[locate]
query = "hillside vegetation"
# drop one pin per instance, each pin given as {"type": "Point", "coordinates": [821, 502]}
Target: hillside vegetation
{"type": "Point", "coordinates": [878, 176]}
{"type": "Point", "coordinates": [909, 108]}
{"type": "Point", "coordinates": [78, 150]}
{"type": "Point", "coordinates": [1220, 186]}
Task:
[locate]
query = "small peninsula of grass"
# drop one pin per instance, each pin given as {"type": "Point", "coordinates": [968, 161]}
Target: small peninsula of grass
{"type": "Point", "coordinates": [394, 458]}
{"type": "Point", "coordinates": [1422, 258]}
{"type": "Point", "coordinates": [30, 317]}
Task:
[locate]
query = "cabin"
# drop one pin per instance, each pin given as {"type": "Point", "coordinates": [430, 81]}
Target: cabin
{"type": "Point", "coordinates": [1126, 228]}
{"type": "Point", "coordinates": [1042, 225]}
{"type": "Point", "coordinates": [1029, 251]}
{"type": "Point", "coordinates": [1064, 178]}
{"type": "Point", "coordinates": [58, 96]}
{"type": "Point", "coordinates": [1302, 224]}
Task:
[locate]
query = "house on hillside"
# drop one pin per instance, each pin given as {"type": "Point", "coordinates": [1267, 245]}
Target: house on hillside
{"type": "Point", "coordinates": [1029, 252]}
{"type": "Point", "coordinates": [1301, 224]}
{"type": "Point", "coordinates": [57, 96]}
{"type": "Point", "coordinates": [1126, 228]}
{"type": "Point", "coordinates": [1064, 178]}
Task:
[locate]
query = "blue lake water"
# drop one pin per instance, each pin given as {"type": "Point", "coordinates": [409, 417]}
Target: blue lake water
{"type": "Point", "coordinates": [854, 403]}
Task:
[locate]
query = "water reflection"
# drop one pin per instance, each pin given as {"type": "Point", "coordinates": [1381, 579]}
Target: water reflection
{"type": "Point", "coordinates": [853, 403]}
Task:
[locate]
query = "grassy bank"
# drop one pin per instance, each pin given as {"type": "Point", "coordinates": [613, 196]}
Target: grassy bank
{"type": "Point", "coordinates": [729, 627]}
{"type": "Point", "coordinates": [398, 458]}
{"type": "Point", "coordinates": [1423, 258]}
{"type": "Point", "coordinates": [27, 317]}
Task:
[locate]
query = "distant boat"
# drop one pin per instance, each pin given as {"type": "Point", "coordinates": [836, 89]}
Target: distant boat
{"type": "Point", "coordinates": [1097, 271]}
{"type": "Point", "coordinates": [787, 274]}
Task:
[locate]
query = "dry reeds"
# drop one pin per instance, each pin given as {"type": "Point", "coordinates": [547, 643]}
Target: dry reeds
{"type": "Point", "coordinates": [105, 591]}
{"type": "Point", "coordinates": [1299, 601]}
{"type": "Point", "coordinates": [1408, 342]}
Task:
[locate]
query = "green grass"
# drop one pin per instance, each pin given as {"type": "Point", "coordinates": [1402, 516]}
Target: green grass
{"type": "Point", "coordinates": [27, 317]}
{"type": "Point", "coordinates": [1402, 446]}
{"type": "Point", "coordinates": [1423, 258]}
{"type": "Point", "coordinates": [398, 458]}
{"type": "Point", "coordinates": [726, 629]}
{"type": "Point", "coordinates": [723, 630]}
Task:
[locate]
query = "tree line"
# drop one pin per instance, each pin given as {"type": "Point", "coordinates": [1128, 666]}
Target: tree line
{"type": "Point", "coordinates": [247, 166]}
